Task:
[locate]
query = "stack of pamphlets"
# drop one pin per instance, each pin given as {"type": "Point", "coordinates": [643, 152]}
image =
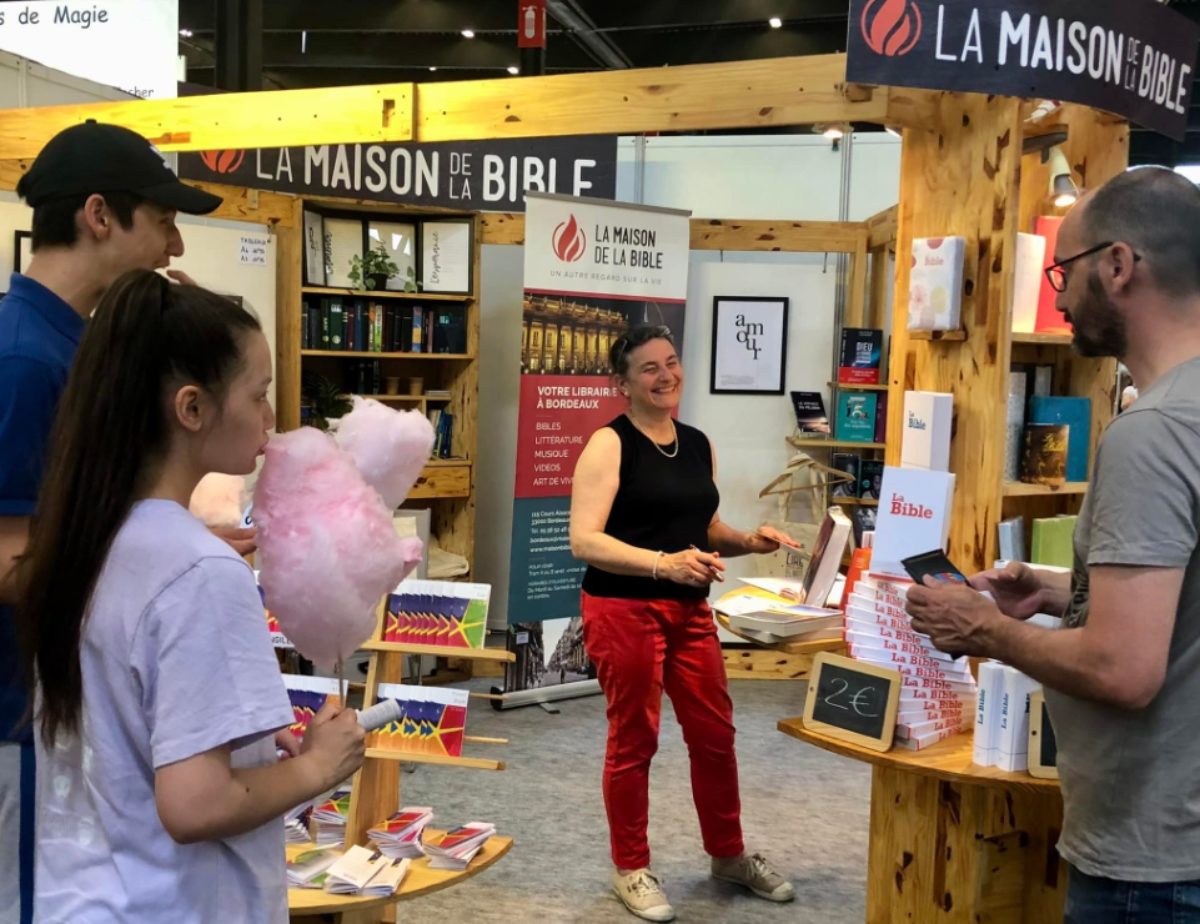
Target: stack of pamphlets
{"type": "Point", "coordinates": [400, 835]}
{"type": "Point", "coordinates": [456, 848]}
{"type": "Point", "coordinates": [937, 698]}
{"type": "Point", "coordinates": [309, 869]}
{"type": "Point", "coordinates": [770, 621]}
{"type": "Point", "coordinates": [295, 823]}
{"type": "Point", "coordinates": [360, 871]}
{"type": "Point", "coordinates": [329, 818]}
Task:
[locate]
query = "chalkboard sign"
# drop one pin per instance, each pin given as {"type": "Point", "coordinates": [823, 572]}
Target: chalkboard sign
{"type": "Point", "coordinates": [1043, 747]}
{"type": "Point", "coordinates": [852, 701]}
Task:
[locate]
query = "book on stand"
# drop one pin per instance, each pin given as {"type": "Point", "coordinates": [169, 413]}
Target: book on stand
{"type": "Point", "coordinates": [1076, 413]}
{"type": "Point", "coordinates": [935, 289]}
{"type": "Point", "coordinates": [856, 417]}
{"type": "Point", "coordinates": [811, 419]}
{"type": "Point", "coordinates": [860, 355]}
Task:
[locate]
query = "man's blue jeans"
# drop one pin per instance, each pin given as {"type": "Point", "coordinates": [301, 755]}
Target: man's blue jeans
{"type": "Point", "coordinates": [1091, 900]}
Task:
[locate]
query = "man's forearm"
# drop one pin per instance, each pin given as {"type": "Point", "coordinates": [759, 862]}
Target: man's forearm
{"type": "Point", "coordinates": [1056, 591]}
{"type": "Point", "coordinates": [1060, 659]}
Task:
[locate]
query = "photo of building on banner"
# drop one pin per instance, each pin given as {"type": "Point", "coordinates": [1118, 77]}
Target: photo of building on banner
{"type": "Point", "coordinates": [593, 270]}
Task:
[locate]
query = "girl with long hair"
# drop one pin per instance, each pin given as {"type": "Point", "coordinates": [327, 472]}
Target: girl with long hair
{"type": "Point", "coordinates": [156, 691]}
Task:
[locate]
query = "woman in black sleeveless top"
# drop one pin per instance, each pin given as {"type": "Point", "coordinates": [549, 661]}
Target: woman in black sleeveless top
{"type": "Point", "coordinates": [644, 518]}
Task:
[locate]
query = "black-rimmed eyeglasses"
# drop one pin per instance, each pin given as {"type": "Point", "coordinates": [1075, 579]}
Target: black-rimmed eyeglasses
{"type": "Point", "coordinates": [1056, 272]}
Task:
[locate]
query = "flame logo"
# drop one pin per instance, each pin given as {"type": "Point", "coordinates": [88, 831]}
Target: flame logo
{"type": "Point", "coordinates": [569, 241]}
{"type": "Point", "coordinates": [222, 161]}
{"type": "Point", "coordinates": [891, 27]}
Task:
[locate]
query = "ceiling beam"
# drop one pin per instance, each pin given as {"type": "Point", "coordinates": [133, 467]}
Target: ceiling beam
{"type": "Point", "coordinates": [747, 94]}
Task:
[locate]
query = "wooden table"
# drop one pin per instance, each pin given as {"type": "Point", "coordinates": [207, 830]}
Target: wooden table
{"type": "Point", "coordinates": [309, 906]}
{"type": "Point", "coordinates": [782, 661]}
{"type": "Point", "coordinates": [953, 843]}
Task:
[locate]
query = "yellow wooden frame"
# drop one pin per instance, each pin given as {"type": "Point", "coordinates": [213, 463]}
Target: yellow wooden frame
{"type": "Point", "coordinates": [1038, 770]}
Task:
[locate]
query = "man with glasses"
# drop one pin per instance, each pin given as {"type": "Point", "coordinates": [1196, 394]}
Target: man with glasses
{"type": "Point", "coordinates": [1122, 675]}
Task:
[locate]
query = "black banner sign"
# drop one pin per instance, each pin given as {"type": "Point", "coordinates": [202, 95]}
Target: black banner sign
{"type": "Point", "coordinates": [1132, 57]}
{"type": "Point", "coordinates": [488, 176]}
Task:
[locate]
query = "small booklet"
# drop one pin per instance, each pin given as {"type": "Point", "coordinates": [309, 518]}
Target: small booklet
{"type": "Point", "coordinates": [365, 872]}
{"type": "Point", "coordinates": [308, 870]}
{"type": "Point", "coordinates": [400, 835]}
{"type": "Point", "coordinates": [456, 848]}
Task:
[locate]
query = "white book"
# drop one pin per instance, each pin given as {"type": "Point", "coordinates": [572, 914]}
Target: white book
{"type": "Point", "coordinates": [987, 713]}
{"type": "Point", "coordinates": [913, 517]}
{"type": "Point", "coordinates": [936, 283]}
{"type": "Point", "coordinates": [783, 625]}
{"type": "Point", "coordinates": [827, 551]}
{"type": "Point", "coordinates": [925, 439]}
{"type": "Point", "coordinates": [1012, 741]}
{"type": "Point", "coordinates": [354, 870]}
{"type": "Point", "coordinates": [1014, 423]}
{"type": "Point", "coordinates": [1027, 281]}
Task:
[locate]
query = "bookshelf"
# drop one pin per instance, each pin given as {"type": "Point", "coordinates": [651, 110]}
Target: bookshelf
{"type": "Point", "coordinates": [447, 485]}
{"type": "Point", "coordinates": [942, 193]}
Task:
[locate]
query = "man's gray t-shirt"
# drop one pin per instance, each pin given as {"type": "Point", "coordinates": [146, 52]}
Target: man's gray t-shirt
{"type": "Point", "coordinates": [1131, 778]}
{"type": "Point", "coordinates": [176, 661]}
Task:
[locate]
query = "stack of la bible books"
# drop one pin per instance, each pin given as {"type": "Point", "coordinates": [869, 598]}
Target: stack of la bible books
{"type": "Point", "coordinates": [937, 696]}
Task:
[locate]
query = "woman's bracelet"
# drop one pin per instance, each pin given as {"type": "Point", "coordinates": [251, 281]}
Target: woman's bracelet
{"type": "Point", "coordinates": [654, 571]}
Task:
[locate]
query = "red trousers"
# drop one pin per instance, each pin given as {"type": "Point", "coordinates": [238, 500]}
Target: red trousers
{"type": "Point", "coordinates": [640, 648]}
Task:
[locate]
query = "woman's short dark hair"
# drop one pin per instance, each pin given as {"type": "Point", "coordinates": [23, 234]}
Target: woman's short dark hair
{"type": "Point", "coordinates": [146, 337]}
{"type": "Point", "coordinates": [54, 221]}
{"type": "Point", "coordinates": [618, 354]}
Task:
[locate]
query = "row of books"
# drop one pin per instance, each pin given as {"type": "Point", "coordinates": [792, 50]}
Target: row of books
{"type": "Point", "coordinates": [866, 475]}
{"type": "Point", "coordinates": [1002, 717]}
{"type": "Point", "coordinates": [937, 695]}
{"type": "Point", "coordinates": [936, 286]}
{"type": "Point", "coordinates": [377, 327]}
{"type": "Point", "coordinates": [861, 417]}
{"type": "Point", "coordinates": [1052, 540]}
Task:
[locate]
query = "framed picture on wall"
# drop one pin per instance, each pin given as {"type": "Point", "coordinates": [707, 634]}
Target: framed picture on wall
{"type": "Point", "coordinates": [343, 242]}
{"type": "Point", "coordinates": [749, 345]}
{"type": "Point", "coordinates": [446, 256]}
{"type": "Point", "coordinates": [314, 249]}
{"type": "Point", "coordinates": [22, 251]}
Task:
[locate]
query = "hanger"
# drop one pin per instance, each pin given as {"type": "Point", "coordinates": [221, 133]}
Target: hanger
{"type": "Point", "coordinates": [803, 460]}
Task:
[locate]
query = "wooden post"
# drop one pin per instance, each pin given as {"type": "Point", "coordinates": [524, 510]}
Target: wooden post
{"type": "Point", "coordinates": [960, 177]}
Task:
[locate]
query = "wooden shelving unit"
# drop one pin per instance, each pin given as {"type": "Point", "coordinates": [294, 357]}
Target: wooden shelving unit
{"type": "Point", "coordinates": [843, 386]}
{"type": "Point", "coordinates": [385, 294]}
{"type": "Point", "coordinates": [363, 354]}
{"type": "Point", "coordinates": [801, 442]}
{"type": "Point", "coordinates": [855, 501]}
{"type": "Point", "coordinates": [950, 336]}
{"type": "Point", "coordinates": [1021, 489]}
{"type": "Point", "coordinates": [942, 194]}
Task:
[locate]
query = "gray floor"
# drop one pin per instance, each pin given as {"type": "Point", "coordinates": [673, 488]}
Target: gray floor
{"type": "Point", "coordinates": [806, 809]}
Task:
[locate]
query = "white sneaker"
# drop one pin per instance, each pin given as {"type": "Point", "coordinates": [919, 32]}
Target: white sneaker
{"type": "Point", "coordinates": [756, 874]}
{"type": "Point", "coordinates": [642, 893]}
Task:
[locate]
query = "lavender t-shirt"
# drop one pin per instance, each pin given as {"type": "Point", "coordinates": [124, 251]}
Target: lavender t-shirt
{"type": "Point", "coordinates": [176, 661]}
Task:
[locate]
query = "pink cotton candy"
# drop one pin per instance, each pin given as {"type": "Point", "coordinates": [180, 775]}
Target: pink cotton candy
{"type": "Point", "coordinates": [328, 551]}
{"type": "Point", "coordinates": [389, 447]}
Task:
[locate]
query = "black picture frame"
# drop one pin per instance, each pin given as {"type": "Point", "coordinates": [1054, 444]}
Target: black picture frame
{"type": "Point", "coordinates": [22, 249]}
{"type": "Point", "coordinates": [747, 360]}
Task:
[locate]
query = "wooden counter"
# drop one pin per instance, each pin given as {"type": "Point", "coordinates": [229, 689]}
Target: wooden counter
{"type": "Point", "coordinates": [306, 906]}
{"type": "Point", "coordinates": [954, 843]}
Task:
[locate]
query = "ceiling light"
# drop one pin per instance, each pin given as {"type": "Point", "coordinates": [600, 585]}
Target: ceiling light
{"type": "Point", "coordinates": [185, 33]}
{"type": "Point", "coordinates": [433, 67]}
{"type": "Point", "coordinates": [514, 70]}
{"type": "Point", "coordinates": [468, 33]}
{"type": "Point", "coordinates": [775, 22]}
{"type": "Point", "coordinates": [894, 132]}
{"type": "Point", "coordinates": [1062, 187]}
{"type": "Point", "coordinates": [833, 132]}
{"type": "Point", "coordinates": [304, 42]}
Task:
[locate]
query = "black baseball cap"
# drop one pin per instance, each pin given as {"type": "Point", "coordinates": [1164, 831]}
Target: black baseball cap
{"type": "Point", "coordinates": [99, 158]}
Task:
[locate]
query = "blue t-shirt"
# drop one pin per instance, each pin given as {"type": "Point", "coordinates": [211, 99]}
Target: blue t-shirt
{"type": "Point", "coordinates": [39, 334]}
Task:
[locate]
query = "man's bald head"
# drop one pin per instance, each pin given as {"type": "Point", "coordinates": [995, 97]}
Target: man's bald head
{"type": "Point", "coordinates": [1156, 212]}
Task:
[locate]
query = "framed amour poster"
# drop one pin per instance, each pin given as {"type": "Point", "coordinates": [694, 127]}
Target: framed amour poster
{"type": "Point", "coordinates": [749, 345]}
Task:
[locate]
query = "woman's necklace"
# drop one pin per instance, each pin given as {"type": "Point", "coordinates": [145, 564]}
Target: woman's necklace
{"type": "Point", "coordinates": [653, 442]}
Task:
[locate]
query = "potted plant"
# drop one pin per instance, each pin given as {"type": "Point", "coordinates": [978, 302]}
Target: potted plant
{"type": "Point", "coordinates": [325, 399]}
{"type": "Point", "coordinates": [373, 269]}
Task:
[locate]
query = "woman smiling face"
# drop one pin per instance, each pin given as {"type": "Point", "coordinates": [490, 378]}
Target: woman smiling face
{"type": "Point", "coordinates": [653, 380]}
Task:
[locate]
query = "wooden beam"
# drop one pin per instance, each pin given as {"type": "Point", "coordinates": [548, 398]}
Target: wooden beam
{"type": "Point", "coordinates": [881, 228]}
{"type": "Point", "coordinates": [257, 205]}
{"type": "Point", "coordinates": [720, 234]}
{"type": "Point", "coordinates": [787, 236]}
{"type": "Point", "coordinates": [738, 94]}
{"type": "Point", "coordinates": [856, 305]}
{"type": "Point", "coordinates": [326, 115]}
